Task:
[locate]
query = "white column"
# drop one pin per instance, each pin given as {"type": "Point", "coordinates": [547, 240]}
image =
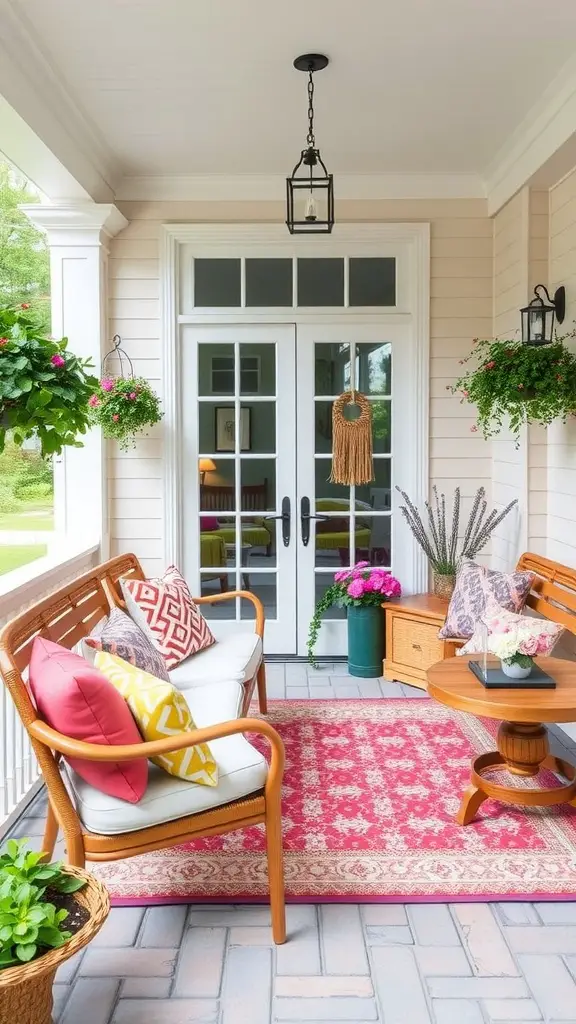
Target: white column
{"type": "Point", "coordinates": [78, 235]}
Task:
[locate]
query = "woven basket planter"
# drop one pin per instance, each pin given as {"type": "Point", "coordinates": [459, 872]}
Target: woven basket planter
{"type": "Point", "coordinates": [443, 585]}
{"type": "Point", "coordinates": [26, 991]}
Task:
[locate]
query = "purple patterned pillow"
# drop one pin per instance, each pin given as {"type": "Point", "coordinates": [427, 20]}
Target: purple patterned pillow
{"type": "Point", "coordinates": [120, 635]}
{"type": "Point", "coordinates": [474, 584]}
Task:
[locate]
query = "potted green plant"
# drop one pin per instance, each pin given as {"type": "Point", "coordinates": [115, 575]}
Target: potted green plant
{"type": "Point", "coordinates": [519, 384]}
{"type": "Point", "coordinates": [44, 388]}
{"type": "Point", "coordinates": [123, 407]}
{"type": "Point", "coordinates": [47, 913]}
{"type": "Point", "coordinates": [443, 544]}
{"type": "Point", "coordinates": [362, 591]}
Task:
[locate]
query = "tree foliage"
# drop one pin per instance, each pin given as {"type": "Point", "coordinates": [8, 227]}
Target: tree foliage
{"type": "Point", "coordinates": [24, 256]}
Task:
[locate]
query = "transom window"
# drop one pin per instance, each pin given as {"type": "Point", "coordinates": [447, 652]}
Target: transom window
{"type": "Point", "coordinates": [355, 281]}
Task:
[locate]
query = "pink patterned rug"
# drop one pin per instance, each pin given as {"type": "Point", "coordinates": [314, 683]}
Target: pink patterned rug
{"type": "Point", "coordinates": [370, 793]}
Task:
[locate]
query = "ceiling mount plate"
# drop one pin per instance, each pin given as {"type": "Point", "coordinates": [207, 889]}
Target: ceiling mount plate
{"type": "Point", "coordinates": [311, 62]}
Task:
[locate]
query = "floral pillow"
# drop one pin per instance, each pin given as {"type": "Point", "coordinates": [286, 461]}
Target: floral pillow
{"type": "Point", "coordinates": [119, 635]}
{"type": "Point", "coordinates": [474, 585]}
{"type": "Point", "coordinates": [537, 636]}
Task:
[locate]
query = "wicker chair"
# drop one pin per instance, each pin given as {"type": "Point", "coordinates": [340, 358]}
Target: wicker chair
{"type": "Point", "coordinates": [65, 617]}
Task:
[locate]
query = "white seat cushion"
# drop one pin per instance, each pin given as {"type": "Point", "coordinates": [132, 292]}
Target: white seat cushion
{"type": "Point", "coordinates": [241, 770]}
{"type": "Point", "coordinates": [235, 656]}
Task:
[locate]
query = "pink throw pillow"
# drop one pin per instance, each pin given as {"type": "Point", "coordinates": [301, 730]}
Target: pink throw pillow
{"type": "Point", "coordinates": [166, 613]}
{"type": "Point", "coordinates": [474, 585]}
{"type": "Point", "coordinates": [209, 523]}
{"type": "Point", "coordinates": [80, 702]}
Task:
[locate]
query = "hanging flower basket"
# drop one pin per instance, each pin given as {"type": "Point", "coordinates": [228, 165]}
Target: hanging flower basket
{"type": "Point", "coordinates": [521, 383]}
{"type": "Point", "coordinates": [44, 388]}
{"type": "Point", "coordinates": [124, 406]}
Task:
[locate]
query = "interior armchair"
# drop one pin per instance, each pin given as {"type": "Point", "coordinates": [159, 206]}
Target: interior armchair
{"type": "Point", "coordinates": [65, 617]}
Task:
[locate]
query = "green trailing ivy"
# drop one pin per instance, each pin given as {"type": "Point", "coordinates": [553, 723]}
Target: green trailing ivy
{"type": "Point", "coordinates": [44, 388]}
{"type": "Point", "coordinates": [519, 383]}
{"type": "Point", "coordinates": [123, 407]}
{"type": "Point", "coordinates": [30, 924]}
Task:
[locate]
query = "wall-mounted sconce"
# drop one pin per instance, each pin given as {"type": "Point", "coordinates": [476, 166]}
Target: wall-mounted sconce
{"type": "Point", "coordinates": [538, 316]}
{"type": "Point", "coordinates": [205, 466]}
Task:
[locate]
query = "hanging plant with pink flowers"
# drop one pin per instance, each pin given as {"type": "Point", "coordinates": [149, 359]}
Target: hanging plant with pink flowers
{"type": "Point", "coordinates": [124, 407]}
{"type": "Point", "coordinates": [44, 388]}
{"type": "Point", "coordinates": [362, 586]}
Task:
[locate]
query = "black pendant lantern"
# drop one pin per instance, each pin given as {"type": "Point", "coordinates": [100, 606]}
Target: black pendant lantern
{"type": "Point", "coordinates": [310, 189]}
{"type": "Point", "coordinates": [538, 316]}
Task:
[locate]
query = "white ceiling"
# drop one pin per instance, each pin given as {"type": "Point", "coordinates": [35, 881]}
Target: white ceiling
{"type": "Point", "coordinates": [186, 87]}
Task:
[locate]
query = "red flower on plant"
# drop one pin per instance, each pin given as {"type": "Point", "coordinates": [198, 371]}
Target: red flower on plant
{"type": "Point", "coordinates": [473, 428]}
{"type": "Point", "coordinates": [94, 401]}
{"type": "Point", "coordinates": [3, 341]}
{"type": "Point", "coordinates": [132, 395]}
{"type": "Point", "coordinates": [57, 360]}
{"type": "Point", "coordinates": [490, 365]}
{"type": "Point", "coordinates": [25, 305]}
{"type": "Point", "coordinates": [115, 417]}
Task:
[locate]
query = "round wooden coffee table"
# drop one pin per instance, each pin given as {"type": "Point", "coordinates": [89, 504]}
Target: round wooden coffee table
{"type": "Point", "coordinates": [523, 747]}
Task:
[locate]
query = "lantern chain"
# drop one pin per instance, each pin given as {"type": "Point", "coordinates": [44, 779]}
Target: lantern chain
{"type": "Point", "coordinates": [310, 137]}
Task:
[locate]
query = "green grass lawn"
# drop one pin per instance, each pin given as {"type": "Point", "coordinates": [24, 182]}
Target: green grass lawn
{"type": "Point", "coordinates": [34, 519]}
{"type": "Point", "coordinates": [15, 557]}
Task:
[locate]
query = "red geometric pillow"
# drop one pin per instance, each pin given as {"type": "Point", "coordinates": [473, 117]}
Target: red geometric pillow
{"type": "Point", "coordinates": [166, 613]}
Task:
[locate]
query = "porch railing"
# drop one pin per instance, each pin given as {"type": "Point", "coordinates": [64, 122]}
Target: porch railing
{"type": "Point", "coordinates": [19, 590]}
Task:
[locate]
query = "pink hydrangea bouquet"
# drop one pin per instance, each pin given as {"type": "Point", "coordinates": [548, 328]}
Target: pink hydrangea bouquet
{"type": "Point", "coordinates": [363, 585]}
{"type": "Point", "coordinates": [520, 644]}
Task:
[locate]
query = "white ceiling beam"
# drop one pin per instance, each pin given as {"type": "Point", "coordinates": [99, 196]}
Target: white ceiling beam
{"type": "Point", "coordinates": [543, 147]}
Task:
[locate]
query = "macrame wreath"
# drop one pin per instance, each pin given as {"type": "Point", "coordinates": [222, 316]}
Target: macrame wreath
{"type": "Point", "coordinates": [352, 461]}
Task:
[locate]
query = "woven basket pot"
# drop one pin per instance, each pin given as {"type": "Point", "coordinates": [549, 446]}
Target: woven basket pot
{"type": "Point", "coordinates": [443, 585]}
{"type": "Point", "coordinates": [26, 991]}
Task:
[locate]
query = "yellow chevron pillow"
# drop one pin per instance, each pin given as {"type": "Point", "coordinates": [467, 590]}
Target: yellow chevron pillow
{"type": "Point", "coordinates": [160, 710]}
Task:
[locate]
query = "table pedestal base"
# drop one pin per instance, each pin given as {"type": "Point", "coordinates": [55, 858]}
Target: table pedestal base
{"type": "Point", "coordinates": [523, 750]}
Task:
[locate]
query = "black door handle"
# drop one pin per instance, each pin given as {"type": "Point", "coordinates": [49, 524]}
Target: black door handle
{"type": "Point", "coordinates": [305, 517]}
{"type": "Point", "coordinates": [285, 519]}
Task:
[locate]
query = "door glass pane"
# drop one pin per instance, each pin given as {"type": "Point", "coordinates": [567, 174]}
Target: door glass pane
{"type": "Point", "coordinates": [217, 489]}
{"type": "Point", "coordinates": [324, 489]}
{"type": "Point", "coordinates": [269, 282]}
{"type": "Point", "coordinates": [322, 581]}
{"type": "Point", "coordinates": [260, 536]}
{"type": "Point", "coordinates": [331, 368]}
{"type": "Point", "coordinates": [381, 427]}
{"type": "Point", "coordinates": [257, 369]}
{"type": "Point", "coordinates": [258, 485]}
{"type": "Point", "coordinates": [378, 490]}
{"type": "Point", "coordinates": [374, 368]}
{"type": "Point", "coordinates": [264, 585]}
{"type": "Point", "coordinates": [215, 369]}
{"type": "Point", "coordinates": [217, 282]}
{"type": "Point", "coordinates": [323, 428]}
{"type": "Point", "coordinates": [372, 281]}
{"type": "Point", "coordinates": [262, 426]}
{"type": "Point", "coordinates": [333, 542]}
{"type": "Point", "coordinates": [320, 282]}
{"type": "Point", "coordinates": [217, 548]}
{"type": "Point", "coordinates": [210, 585]}
{"type": "Point", "coordinates": [374, 540]}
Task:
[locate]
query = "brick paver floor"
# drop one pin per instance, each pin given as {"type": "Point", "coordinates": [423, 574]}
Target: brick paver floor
{"type": "Point", "coordinates": [466, 963]}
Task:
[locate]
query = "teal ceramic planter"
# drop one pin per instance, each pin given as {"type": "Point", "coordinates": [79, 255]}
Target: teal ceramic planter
{"type": "Point", "coordinates": [365, 641]}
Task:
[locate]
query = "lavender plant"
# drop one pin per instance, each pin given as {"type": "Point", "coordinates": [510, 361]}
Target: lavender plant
{"type": "Point", "coordinates": [440, 541]}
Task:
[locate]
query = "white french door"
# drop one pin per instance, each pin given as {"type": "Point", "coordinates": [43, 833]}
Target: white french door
{"type": "Point", "coordinates": [239, 467]}
{"type": "Point", "coordinates": [259, 511]}
{"type": "Point", "coordinates": [357, 523]}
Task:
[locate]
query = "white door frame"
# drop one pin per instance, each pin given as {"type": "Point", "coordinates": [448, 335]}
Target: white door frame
{"type": "Point", "coordinates": [410, 243]}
